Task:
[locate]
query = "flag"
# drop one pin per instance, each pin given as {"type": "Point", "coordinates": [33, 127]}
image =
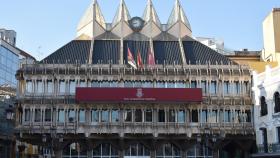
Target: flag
{"type": "Point", "coordinates": [130, 59]}
{"type": "Point", "coordinates": [139, 61]}
{"type": "Point", "coordinates": [151, 58]}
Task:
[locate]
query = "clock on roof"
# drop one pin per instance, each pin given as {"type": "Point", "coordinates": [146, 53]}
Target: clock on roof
{"type": "Point", "coordinates": [136, 23]}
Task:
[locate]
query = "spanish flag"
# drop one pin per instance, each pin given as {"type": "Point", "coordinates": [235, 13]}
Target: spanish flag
{"type": "Point", "coordinates": [130, 59]}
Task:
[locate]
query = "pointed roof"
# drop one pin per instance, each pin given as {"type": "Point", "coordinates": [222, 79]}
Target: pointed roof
{"type": "Point", "coordinates": [178, 15]}
{"type": "Point", "coordinates": [92, 13]}
{"type": "Point", "coordinates": [122, 14]}
{"type": "Point", "coordinates": [150, 14]}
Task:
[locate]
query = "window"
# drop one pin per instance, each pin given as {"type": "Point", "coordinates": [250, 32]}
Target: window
{"type": "Point", "coordinates": [148, 84]}
{"type": "Point", "coordinates": [94, 115]}
{"type": "Point", "coordinates": [226, 88]}
{"type": "Point", "coordinates": [138, 115]}
{"type": "Point", "coordinates": [161, 84]}
{"type": "Point", "coordinates": [137, 84]}
{"type": "Point", "coordinates": [181, 116]}
{"type": "Point", "coordinates": [248, 116]}
{"type": "Point", "coordinates": [199, 151]}
{"type": "Point", "coordinates": [72, 87]}
{"type": "Point", "coordinates": [276, 102]}
{"type": "Point", "coordinates": [29, 87]}
{"type": "Point", "coordinates": [227, 117]}
{"type": "Point", "coordinates": [194, 116]}
{"type": "Point", "coordinates": [264, 139]}
{"type": "Point", "coordinates": [213, 87]}
{"type": "Point", "coordinates": [204, 114]}
{"type": "Point", "coordinates": [193, 84]}
{"type": "Point", "coordinates": [148, 115]}
{"type": "Point", "coordinates": [49, 87]}
{"type": "Point", "coordinates": [171, 116]}
{"type": "Point", "coordinates": [236, 88]}
{"type": "Point", "coordinates": [82, 83]}
{"type": "Point", "coordinates": [128, 84]}
{"type": "Point", "coordinates": [128, 115]}
{"type": "Point", "coordinates": [71, 115]}
{"type": "Point", "coordinates": [61, 116]}
{"type": "Point", "coordinates": [213, 116]}
{"type": "Point", "coordinates": [246, 87]}
{"type": "Point", "coordinates": [37, 115]}
{"type": "Point", "coordinates": [115, 116]}
{"type": "Point", "coordinates": [137, 150]}
{"type": "Point", "coordinates": [48, 115]}
{"type": "Point", "coordinates": [180, 85]}
{"type": "Point", "coordinates": [82, 116]}
{"type": "Point", "coordinates": [105, 84]}
{"type": "Point", "coordinates": [171, 85]}
{"type": "Point", "coordinates": [61, 86]}
{"type": "Point", "coordinates": [40, 88]}
{"type": "Point", "coordinates": [278, 134]}
{"type": "Point", "coordinates": [161, 116]}
{"type": "Point", "coordinates": [74, 150]}
{"type": "Point", "coordinates": [204, 87]}
{"type": "Point", "coordinates": [105, 151]}
{"type": "Point", "coordinates": [95, 84]}
{"type": "Point", "coordinates": [263, 106]}
{"type": "Point", "coordinates": [27, 115]}
{"type": "Point", "coordinates": [104, 116]}
{"type": "Point", "coordinates": [168, 151]}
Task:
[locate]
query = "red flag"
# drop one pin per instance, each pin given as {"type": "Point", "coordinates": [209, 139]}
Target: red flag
{"type": "Point", "coordinates": [151, 58]}
{"type": "Point", "coordinates": [130, 59]}
{"type": "Point", "coordinates": [139, 60]}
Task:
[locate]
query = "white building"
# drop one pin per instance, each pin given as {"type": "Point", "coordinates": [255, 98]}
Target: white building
{"type": "Point", "coordinates": [267, 111]}
{"type": "Point", "coordinates": [215, 44]}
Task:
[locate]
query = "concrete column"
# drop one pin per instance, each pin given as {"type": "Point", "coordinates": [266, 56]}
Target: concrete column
{"type": "Point", "coordinates": [215, 153]}
{"type": "Point", "coordinates": [121, 153]}
{"type": "Point", "coordinates": [89, 153]}
{"type": "Point", "coordinates": [153, 154]}
{"type": "Point", "coordinates": [58, 153]}
{"type": "Point", "coordinates": [183, 154]}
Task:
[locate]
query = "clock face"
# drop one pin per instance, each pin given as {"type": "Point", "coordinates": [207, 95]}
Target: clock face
{"type": "Point", "coordinates": [136, 23]}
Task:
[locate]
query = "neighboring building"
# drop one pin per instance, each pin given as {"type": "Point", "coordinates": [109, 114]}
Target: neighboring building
{"type": "Point", "coordinates": [267, 112]}
{"type": "Point", "coordinates": [7, 137]}
{"type": "Point", "coordinates": [9, 36]}
{"type": "Point", "coordinates": [183, 100]}
{"type": "Point", "coordinates": [217, 45]}
{"type": "Point", "coordinates": [271, 34]}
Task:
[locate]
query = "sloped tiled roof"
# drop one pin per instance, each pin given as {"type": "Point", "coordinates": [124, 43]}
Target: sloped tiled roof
{"type": "Point", "coordinates": [167, 52]}
{"type": "Point", "coordinates": [72, 52]}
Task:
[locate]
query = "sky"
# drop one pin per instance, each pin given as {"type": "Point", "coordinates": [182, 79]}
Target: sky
{"type": "Point", "coordinates": [44, 26]}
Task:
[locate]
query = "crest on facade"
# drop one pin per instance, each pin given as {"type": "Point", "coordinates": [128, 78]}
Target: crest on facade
{"type": "Point", "coordinates": [139, 93]}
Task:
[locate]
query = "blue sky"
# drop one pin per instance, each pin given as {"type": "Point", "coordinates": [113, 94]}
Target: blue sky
{"type": "Point", "coordinates": [43, 26]}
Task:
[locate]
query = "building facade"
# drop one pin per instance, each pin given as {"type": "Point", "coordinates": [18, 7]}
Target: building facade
{"type": "Point", "coordinates": [267, 102]}
{"type": "Point", "coordinates": [271, 34]}
{"type": "Point", "coordinates": [137, 88]}
{"type": "Point", "coordinates": [9, 36]}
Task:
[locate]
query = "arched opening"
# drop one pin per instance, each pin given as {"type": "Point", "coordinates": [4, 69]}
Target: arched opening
{"type": "Point", "coordinates": [168, 151]}
{"type": "Point", "coordinates": [105, 151]}
{"type": "Point", "coordinates": [276, 102]}
{"type": "Point", "coordinates": [263, 106]}
{"type": "Point", "coordinates": [137, 150]}
{"type": "Point", "coordinates": [74, 150]}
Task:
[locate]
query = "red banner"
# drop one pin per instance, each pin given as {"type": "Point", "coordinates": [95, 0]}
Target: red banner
{"type": "Point", "coordinates": [120, 95]}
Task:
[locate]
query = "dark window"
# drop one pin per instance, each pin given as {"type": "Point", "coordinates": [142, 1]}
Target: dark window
{"type": "Point", "coordinates": [194, 116]}
{"type": "Point", "coordinates": [193, 84]}
{"type": "Point", "coordinates": [276, 102]}
{"type": "Point", "coordinates": [204, 86]}
{"type": "Point", "coordinates": [248, 116]}
{"type": "Point", "coordinates": [37, 115]}
{"type": "Point", "coordinates": [263, 106]}
{"type": "Point", "coordinates": [48, 115]}
{"type": "Point", "coordinates": [278, 134]}
{"type": "Point", "coordinates": [161, 116]}
{"type": "Point", "coordinates": [264, 139]}
{"type": "Point", "coordinates": [128, 115]}
{"type": "Point", "coordinates": [148, 115]}
{"type": "Point", "coordinates": [138, 115]}
{"type": "Point", "coordinates": [172, 116]}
